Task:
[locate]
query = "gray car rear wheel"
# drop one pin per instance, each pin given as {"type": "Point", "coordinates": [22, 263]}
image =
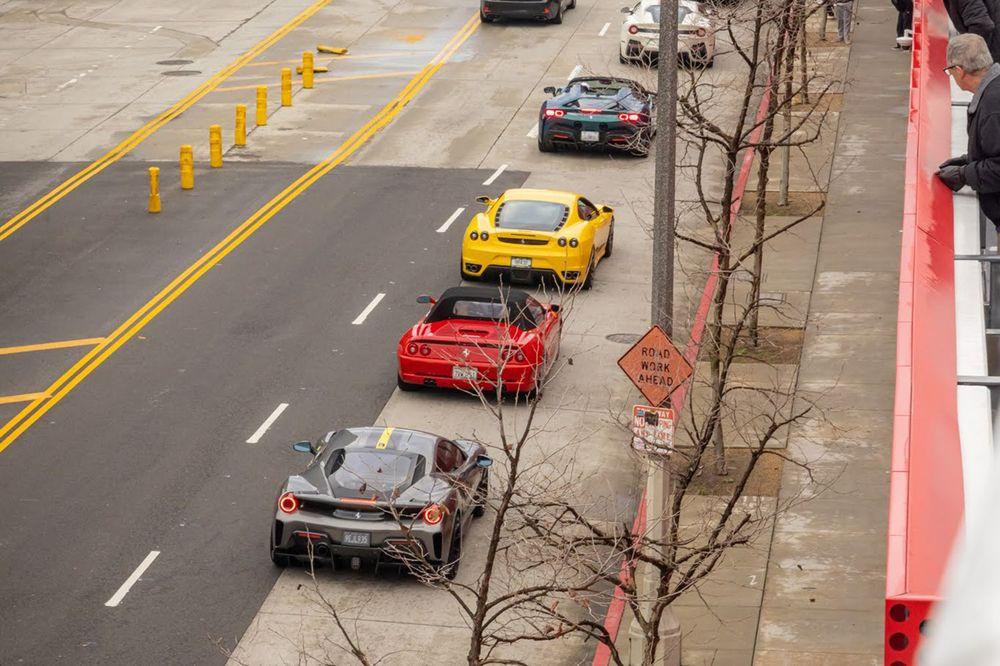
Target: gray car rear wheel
{"type": "Point", "coordinates": [449, 568]}
{"type": "Point", "coordinates": [279, 560]}
{"type": "Point", "coordinates": [482, 492]}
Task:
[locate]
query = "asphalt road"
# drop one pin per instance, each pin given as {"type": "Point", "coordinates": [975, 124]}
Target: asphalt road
{"type": "Point", "coordinates": [151, 454]}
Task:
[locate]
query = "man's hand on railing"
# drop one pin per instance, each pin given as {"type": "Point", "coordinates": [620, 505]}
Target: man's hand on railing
{"type": "Point", "coordinates": [952, 176]}
{"type": "Point", "coordinates": [961, 160]}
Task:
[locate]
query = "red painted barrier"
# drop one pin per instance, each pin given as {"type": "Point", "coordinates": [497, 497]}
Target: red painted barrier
{"type": "Point", "coordinates": [926, 496]}
{"type": "Point", "coordinates": [616, 610]}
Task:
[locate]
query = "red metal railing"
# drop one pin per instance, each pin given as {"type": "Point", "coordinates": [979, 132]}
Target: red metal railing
{"type": "Point", "coordinates": [926, 495]}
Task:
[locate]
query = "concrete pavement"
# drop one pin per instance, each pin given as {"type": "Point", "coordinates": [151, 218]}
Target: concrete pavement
{"type": "Point", "coordinates": [825, 586]}
{"type": "Point", "coordinates": [149, 451]}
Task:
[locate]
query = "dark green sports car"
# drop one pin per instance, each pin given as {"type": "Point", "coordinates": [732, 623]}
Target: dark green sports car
{"type": "Point", "coordinates": [598, 112]}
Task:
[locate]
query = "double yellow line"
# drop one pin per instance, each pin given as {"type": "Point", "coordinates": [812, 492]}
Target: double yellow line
{"type": "Point", "coordinates": [144, 132]}
{"type": "Point", "coordinates": [93, 359]}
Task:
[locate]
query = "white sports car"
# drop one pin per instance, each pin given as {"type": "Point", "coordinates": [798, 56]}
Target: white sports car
{"type": "Point", "coordinates": [640, 35]}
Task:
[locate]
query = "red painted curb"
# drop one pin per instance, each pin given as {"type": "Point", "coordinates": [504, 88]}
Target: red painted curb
{"type": "Point", "coordinates": [616, 610]}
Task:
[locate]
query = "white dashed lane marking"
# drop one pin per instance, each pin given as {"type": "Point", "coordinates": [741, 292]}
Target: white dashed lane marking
{"type": "Point", "coordinates": [447, 223]}
{"type": "Point", "coordinates": [131, 580]}
{"type": "Point", "coordinates": [268, 422]}
{"type": "Point", "coordinates": [496, 174]}
{"type": "Point", "coordinates": [360, 319]}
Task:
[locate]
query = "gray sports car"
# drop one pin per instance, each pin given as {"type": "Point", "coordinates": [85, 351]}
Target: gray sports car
{"type": "Point", "coordinates": [382, 494]}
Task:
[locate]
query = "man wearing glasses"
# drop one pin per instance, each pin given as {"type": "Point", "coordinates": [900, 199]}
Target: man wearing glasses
{"type": "Point", "coordinates": [972, 67]}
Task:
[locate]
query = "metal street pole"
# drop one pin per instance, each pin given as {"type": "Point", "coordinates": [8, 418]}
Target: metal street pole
{"type": "Point", "coordinates": [662, 296]}
{"type": "Point", "coordinates": [658, 481]}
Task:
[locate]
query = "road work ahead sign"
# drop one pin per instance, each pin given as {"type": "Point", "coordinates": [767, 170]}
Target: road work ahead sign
{"type": "Point", "coordinates": [655, 366]}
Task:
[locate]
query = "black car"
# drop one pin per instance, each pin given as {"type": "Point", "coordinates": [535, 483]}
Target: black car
{"type": "Point", "coordinates": [598, 112]}
{"type": "Point", "coordinates": [550, 11]}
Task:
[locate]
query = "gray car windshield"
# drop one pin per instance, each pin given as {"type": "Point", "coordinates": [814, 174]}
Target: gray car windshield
{"type": "Point", "coordinates": [370, 471]}
{"type": "Point", "coordinates": [531, 215]}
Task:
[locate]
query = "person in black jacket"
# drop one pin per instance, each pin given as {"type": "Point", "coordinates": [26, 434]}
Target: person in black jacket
{"type": "Point", "coordinates": [972, 67]}
{"type": "Point", "coordinates": [904, 21]}
{"type": "Point", "coordinates": [979, 17]}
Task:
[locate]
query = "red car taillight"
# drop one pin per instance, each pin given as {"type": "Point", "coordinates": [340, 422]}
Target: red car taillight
{"type": "Point", "coordinates": [412, 349]}
{"type": "Point", "coordinates": [629, 117]}
{"type": "Point", "coordinates": [425, 350]}
{"type": "Point", "coordinates": [433, 514]}
{"type": "Point", "coordinates": [554, 113]}
{"type": "Point", "coordinates": [632, 30]}
{"type": "Point", "coordinates": [288, 503]}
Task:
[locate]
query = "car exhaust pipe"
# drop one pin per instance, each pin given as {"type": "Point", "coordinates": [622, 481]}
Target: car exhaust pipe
{"type": "Point", "coordinates": [323, 550]}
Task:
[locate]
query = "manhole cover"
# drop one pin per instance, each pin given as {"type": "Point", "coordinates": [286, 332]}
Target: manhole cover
{"type": "Point", "coordinates": [175, 62]}
{"type": "Point", "coordinates": [182, 72]}
{"type": "Point", "coordinates": [624, 338]}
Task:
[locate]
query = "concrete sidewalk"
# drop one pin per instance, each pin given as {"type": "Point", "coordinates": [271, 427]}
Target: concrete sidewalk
{"type": "Point", "coordinates": [824, 590]}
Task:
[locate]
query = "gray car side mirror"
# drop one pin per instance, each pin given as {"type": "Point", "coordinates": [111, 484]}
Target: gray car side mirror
{"type": "Point", "coordinates": [304, 447]}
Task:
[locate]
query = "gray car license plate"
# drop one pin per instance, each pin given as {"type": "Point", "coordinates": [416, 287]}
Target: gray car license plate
{"type": "Point", "coordinates": [357, 539]}
{"type": "Point", "coordinates": [586, 135]}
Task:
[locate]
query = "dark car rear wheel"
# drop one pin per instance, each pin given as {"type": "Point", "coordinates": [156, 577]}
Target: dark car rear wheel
{"type": "Point", "coordinates": [546, 146]}
{"type": "Point", "coordinates": [610, 245]}
{"type": "Point", "coordinates": [406, 386]}
{"type": "Point", "coordinates": [449, 568]}
{"type": "Point", "coordinates": [279, 560]}
{"type": "Point", "coordinates": [571, 5]}
{"type": "Point", "coordinates": [482, 492]}
{"type": "Point", "coordinates": [643, 140]}
{"type": "Point", "coordinates": [557, 19]}
{"type": "Point", "coordinates": [486, 19]}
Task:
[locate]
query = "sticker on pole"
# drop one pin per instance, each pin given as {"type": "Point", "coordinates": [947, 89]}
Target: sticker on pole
{"type": "Point", "coordinates": [653, 429]}
{"type": "Point", "coordinates": [655, 366]}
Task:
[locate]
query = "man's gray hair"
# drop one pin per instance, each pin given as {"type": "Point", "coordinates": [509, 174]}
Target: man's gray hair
{"type": "Point", "coordinates": [969, 51]}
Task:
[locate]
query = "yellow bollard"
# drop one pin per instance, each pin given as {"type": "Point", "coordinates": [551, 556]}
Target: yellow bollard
{"type": "Point", "coordinates": [317, 69]}
{"type": "Point", "coordinates": [187, 167]}
{"type": "Point", "coordinates": [215, 146]}
{"type": "Point", "coordinates": [261, 106]}
{"type": "Point", "coordinates": [286, 86]}
{"type": "Point", "coordinates": [240, 135]}
{"type": "Point", "coordinates": [154, 190]}
{"type": "Point", "coordinates": [307, 69]}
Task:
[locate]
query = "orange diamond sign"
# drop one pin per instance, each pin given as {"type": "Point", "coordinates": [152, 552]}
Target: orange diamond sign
{"type": "Point", "coordinates": [655, 366]}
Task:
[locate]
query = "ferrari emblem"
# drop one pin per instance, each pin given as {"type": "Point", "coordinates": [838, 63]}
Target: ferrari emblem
{"type": "Point", "coordinates": [465, 353]}
{"type": "Point", "coordinates": [357, 515]}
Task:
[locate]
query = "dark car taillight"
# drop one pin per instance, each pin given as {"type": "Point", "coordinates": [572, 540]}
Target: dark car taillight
{"type": "Point", "coordinates": [432, 514]}
{"type": "Point", "coordinates": [554, 113]}
{"type": "Point", "coordinates": [288, 503]}
{"type": "Point", "coordinates": [629, 117]}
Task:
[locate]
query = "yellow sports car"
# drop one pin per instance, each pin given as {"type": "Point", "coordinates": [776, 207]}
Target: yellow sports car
{"type": "Point", "coordinates": [528, 235]}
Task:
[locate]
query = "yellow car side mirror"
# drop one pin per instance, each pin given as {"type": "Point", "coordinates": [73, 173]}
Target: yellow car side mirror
{"type": "Point", "coordinates": [485, 200]}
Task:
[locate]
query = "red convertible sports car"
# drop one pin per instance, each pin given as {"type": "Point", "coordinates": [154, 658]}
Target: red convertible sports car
{"type": "Point", "coordinates": [472, 335]}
